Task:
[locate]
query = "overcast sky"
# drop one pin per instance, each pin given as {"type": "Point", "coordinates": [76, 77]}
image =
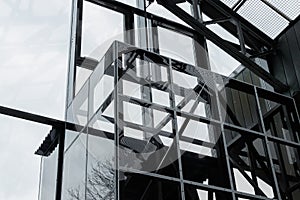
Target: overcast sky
{"type": "Point", "coordinates": [34, 39]}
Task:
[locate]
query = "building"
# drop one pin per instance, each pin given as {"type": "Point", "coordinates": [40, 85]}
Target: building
{"type": "Point", "coordinates": [149, 118]}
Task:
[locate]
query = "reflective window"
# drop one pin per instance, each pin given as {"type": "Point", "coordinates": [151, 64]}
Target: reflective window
{"type": "Point", "coordinates": [136, 186]}
{"type": "Point", "coordinates": [175, 45]}
{"type": "Point", "coordinates": [100, 180]}
{"type": "Point", "coordinates": [74, 173]}
{"type": "Point", "coordinates": [100, 28]}
{"type": "Point", "coordinates": [48, 176]}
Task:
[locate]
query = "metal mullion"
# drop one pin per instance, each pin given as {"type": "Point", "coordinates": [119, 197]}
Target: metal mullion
{"type": "Point", "coordinates": [289, 124]}
{"type": "Point", "coordinates": [129, 27]}
{"type": "Point", "coordinates": [229, 169]}
{"type": "Point", "coordinates": [78, 41]}
{"type": "Point", "coordinates": [206, 187]}
{"type": "Point", "coordinates": [175, 127]}
{"type": "Point", "coordinates": [197, 118]}
{"type": "Point", "coordinates": [145, 128]}
{"type": "Point", "coordinates": [150, 174]}
{"type": "Point", "coordinates": [246, 176]}
{"type": "Point", "coordinates": [72, 52]}
{"type": "Point", "coordinates": [290, 129]}
{"type": "Point", "coordinates": [252, 164]}
{"type": "Point", "coordinates": [145, 103]}
{"type": "Point", "coordinates": [60, 163]}
{"type": "Point", "coordinates": [280, 159]}
{"type": "Point", "coordinates": [147, 112]}
{"type": "Point", "coordinates": [266, 145]}
{"type": "Point", "coordinates": [117, 108]}
{"type": "Point", "coordinates": [283, 142]}
{"type": "Point", "coordinates": [243, 130]}
{"type": "Point", "coordinates": [253, 197]}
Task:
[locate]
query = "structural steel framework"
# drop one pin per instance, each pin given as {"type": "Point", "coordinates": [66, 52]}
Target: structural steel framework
{"type": "Point", "coordinates": [147, 126]}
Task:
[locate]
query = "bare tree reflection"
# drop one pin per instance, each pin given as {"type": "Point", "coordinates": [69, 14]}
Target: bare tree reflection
{"type": "Point", "coordinates": [99, 184]}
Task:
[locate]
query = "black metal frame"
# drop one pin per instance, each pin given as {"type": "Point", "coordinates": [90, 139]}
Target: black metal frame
{"type": "Point", "coordinates": [259, 41]}
{"type": "Point", "coordinates": [248, 135]}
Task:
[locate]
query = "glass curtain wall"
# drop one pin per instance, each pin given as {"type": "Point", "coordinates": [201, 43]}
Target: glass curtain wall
{"type": "Point", "coordinates": [151, 124]}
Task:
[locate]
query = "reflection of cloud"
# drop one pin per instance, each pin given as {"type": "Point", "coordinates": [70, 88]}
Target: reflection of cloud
{"type": "Point", "coordinates": [34, 37]}
{"type": "Point", "coordinates": [19, 168]}
{"type": "Point", "coordinates": [220, 61]}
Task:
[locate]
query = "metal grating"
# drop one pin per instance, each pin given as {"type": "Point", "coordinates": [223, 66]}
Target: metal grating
{"type": "Point", "coordinates": [229, 3]}
{"type": "Point", "coordinates": [270, 16]}
{"type": "Point", "coordinates": [263, 17]}
{"type": "Point", "coordinates": [291, 8]}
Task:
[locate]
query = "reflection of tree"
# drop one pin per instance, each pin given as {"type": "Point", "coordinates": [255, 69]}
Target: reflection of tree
{"type": "Point", "coordinates": [100, 183]}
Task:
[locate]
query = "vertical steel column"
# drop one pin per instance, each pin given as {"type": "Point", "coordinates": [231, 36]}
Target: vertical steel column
{"type": "Point", "coordinates": [71, 56]}
{"type": "Point", "coordinates": [199, 42]}
{"type": "Point", "coordinates": [116, 115]}
{"type": "Point", "coordinates": [74, 48]}
{"type": "Point", "coordinates": [229, 171]}
{"type": "Point", "coordinates": [266, 144]}
{"type": "Point", "coordinates": [61, 151]}
{"type": "Point", "coordinates": [175, 127]}
{"type": "Point", "coordinates": [241, 36]}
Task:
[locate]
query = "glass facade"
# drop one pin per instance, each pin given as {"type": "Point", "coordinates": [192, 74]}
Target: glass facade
{"type": "Point", "coordinates": [152, 125]}
{"type": "Point", "coordinates": [152, 121]}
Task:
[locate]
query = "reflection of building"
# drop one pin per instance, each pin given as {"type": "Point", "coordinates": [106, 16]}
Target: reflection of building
{"type": "Point", "coordinates": [148, 119]}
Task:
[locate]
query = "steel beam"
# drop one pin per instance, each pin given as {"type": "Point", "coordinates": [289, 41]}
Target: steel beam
{"type": "Point", "coordinates": [201, 29]}
{"type": "Point", "coordinates": [212, 7]}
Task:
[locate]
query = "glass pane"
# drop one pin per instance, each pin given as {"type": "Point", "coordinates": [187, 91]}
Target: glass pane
{"type": "Point", "coordinates": [145, 115]}
{"type": "Point", "coordinates": [19, 166]}
{"type": "Point", "coordinates": [250, 163]}
{"type": "Point", "coordinates": [132, 3]}
{"type": "Point", "coordinates": [176, 45]}
{"type": "Point", "coordinates": [34, 53]}
{"type": "Point", "coordinates": [74, 173]}
{"type": "Point", "coordinates": [100, 182]}
{"type": "Point", "coordinates": [286, 162]}
{"type": "Point", "coordinates": [48, 176]}
{"type": "Point", "coordinates": [279, 115]}
{"type": "Point", "coordinates": [194, 90]}
{"type": "Point", "coordinates": [136, 186]}
{"type": "Point", "coordinates": [102, 86]}
{"type": "Point", "coordinates": [143, 146]}
{"type": "Point", "coordinates": [95, 41]}
{"type": "Point", "coordinates": [202, 154]}
{"type": "Point", "coordinates": [77, 112]}
{"type": "Point", "coordinates": [217, 57]}
{"type": "Point", "coordinates": [241, 107]}
{"type": "Point", "coordinates": [82, 75]}
{"type": "Point", "coordinates": [159, 10]}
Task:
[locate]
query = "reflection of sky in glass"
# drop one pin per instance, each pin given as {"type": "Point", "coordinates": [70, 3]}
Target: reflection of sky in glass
{"type": "Point", "coordinates": [34, 38]}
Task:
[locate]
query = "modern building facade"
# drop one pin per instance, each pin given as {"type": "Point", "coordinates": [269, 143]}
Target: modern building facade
{"type": "Point", "coordinates": [150, 117]}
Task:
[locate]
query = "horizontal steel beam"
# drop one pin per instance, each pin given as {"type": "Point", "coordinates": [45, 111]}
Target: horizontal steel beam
{"type": "Point", "coordinates": [250, 30]}
{"type": "Point", "coordinates": [201, 29]}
